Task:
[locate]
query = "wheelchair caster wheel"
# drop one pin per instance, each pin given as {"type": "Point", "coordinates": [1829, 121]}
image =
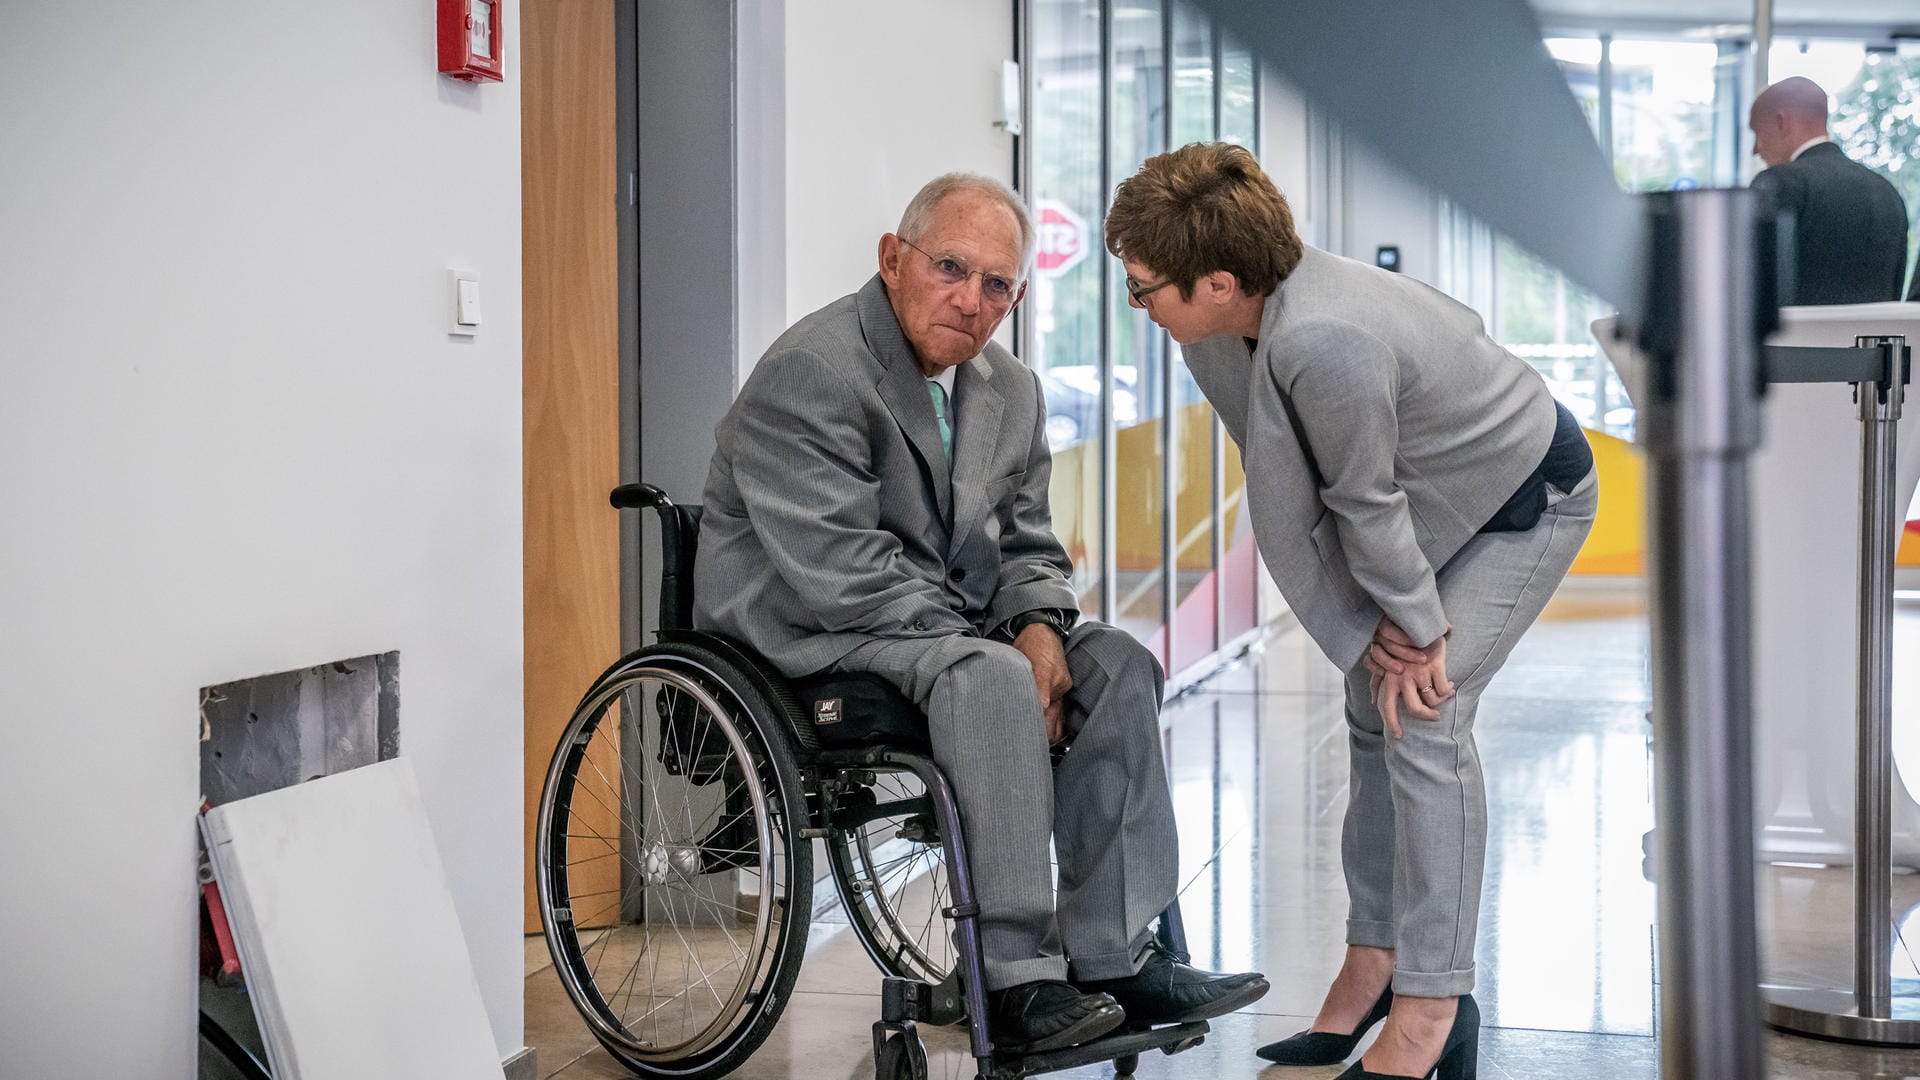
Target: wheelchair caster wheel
{"type": "Point", "coordinates": [898, 1053]}
{"type": "Point", "coordinates": [1125, 1064]}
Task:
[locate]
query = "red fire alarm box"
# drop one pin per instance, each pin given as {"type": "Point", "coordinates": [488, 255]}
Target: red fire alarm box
{"type": "Point", "coordinates": [470, 40]}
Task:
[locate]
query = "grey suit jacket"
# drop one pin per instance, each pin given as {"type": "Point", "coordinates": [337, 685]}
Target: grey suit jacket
{"type": "Point", "coordinates": [1850, 228]}
{"type": "Point", "coordinates": [830, 517]}
{"type": "Point", "coordinates": [1381, 427]}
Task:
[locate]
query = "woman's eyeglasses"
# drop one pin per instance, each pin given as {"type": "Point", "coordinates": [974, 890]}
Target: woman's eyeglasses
{"type": "Point", "coordinates": [1138, 295]}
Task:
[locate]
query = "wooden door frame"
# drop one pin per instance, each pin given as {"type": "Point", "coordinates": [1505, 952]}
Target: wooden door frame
{"type": "Point", "coordinates": [571, 434]}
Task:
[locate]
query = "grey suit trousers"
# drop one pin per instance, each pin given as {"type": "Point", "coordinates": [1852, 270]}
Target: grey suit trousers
{"type": "Point", "coordinates": [1106, 807]}
{"type": "Point", "coordinates": [1415, 838]}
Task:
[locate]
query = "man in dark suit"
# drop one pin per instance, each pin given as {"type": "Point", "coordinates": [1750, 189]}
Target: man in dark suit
{"type": "Point", "coordinates": [1850, 227]}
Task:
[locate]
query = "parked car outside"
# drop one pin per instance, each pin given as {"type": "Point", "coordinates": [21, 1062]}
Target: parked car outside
{"type": "Point", "coordinates": [1073, 402]}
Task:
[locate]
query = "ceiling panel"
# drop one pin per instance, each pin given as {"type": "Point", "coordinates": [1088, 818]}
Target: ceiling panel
{"type": "Point", "coordinates": [1881, 14]}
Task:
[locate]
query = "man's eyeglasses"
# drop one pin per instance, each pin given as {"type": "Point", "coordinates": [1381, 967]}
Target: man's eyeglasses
{"type": "Point", "coordinates": [1139, 295]}
{"type": "Point", "coordinates": [951, 271]}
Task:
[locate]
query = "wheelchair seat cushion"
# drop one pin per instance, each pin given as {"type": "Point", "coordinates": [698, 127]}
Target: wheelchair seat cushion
{"type": "Point", "coordinates": [859, 708]}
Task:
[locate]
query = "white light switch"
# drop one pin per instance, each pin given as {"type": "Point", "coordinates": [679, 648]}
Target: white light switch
{"type": "Point", "coordinates": [469, 314]}
{"type": "Point", "coordinates": [465, 316]}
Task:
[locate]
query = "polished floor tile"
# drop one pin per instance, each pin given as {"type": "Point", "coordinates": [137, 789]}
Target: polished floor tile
{"type": "Point", "coordinates": [1258, 762]}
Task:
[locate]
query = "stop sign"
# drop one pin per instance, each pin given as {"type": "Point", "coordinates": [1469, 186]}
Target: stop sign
{"type": "Point", "coordinates": [1063, 237]}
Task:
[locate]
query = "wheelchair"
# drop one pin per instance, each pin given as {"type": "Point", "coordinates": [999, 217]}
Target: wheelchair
{"type": "Point", "coordinates": [675, 846]}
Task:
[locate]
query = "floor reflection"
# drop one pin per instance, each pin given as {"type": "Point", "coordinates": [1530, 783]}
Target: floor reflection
{"type": "Point", "coordinates": [1259, 765]}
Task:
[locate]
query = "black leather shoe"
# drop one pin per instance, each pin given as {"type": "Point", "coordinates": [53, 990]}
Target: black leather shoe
{"type": "Point", "coordinates": [1048, 1015]}
{"type": "Point", "coordinates": [1325, 1047]}
{"type": "Point", "coordinates": [1459, 1056]}
{"type": "Point", "coordinates": [1166, 991]}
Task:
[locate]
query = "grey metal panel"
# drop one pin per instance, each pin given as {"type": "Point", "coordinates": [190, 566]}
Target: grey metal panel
{"type": "Point", "coordinates": [627, 214]}
{"type": "Point", "coordinates": [684, 110]}
{"type": "Point", "coordinates": [278, 730]}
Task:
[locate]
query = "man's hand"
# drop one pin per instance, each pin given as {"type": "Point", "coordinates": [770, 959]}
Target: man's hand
{"type": "Point", "coordinates": [1042, 648]}
{"type": "Point", "coordinates": [1402, 673]}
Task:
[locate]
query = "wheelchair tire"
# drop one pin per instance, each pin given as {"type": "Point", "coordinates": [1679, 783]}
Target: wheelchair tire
{"type": "Point", "coordinates": [899, 1054]}
{"type": "Point", "coordinates": [891, 871]}
{"type": "Point", "coordinates": [901, 1057]}
{"type": "Point", "coordinates": [674, 887]}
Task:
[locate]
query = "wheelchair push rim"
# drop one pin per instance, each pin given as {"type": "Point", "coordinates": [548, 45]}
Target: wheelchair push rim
{"type": "Point", "coordinates": [891, 873]}
{"type": "Point", "coordinates": [667, 967]}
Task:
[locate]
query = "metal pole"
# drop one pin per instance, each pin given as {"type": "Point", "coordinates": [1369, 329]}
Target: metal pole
{"type": "Point", "coordinates": [1762, 42]}
{"type": "Point", "coordinates": [1109, 442]}
{"type": "Point", "coordinates": [1868, 1014]}
{"type": "Point", "coordinates": [1603, 105]}
{"type": "Point", "coordinates": [1873, 791]}
{"type": "Point", "coordinates": [1703, 419]}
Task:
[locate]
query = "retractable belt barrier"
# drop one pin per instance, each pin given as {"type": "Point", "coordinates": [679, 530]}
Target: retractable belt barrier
{"type": "Point", "coordinates": [1880, 369]}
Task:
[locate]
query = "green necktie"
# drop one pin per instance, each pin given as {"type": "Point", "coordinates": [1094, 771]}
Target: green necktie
{"type": "Point", "coordinates": [939, 395]}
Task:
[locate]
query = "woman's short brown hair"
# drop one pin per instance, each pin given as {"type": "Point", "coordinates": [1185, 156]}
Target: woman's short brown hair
{"type": "Point", "coordinates": [1201, 208]}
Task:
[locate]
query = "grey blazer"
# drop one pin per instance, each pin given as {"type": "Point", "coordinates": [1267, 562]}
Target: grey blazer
{"type": "Point", "coordinates": [1381, 427]}
{"type": "Point", "coordinates": [1850, 228]}
{"type": "Point", "coordinates": [830, 516]}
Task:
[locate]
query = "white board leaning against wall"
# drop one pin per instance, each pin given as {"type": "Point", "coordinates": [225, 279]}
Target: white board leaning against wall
{"type": "Point", "coordinates": [347, 933]}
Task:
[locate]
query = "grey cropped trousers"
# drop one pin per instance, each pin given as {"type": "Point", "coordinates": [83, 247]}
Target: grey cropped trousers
{"type": "Point", "coordinates": [1415, 838]}
{"type": "Point", "coordinates": [1106, 808]}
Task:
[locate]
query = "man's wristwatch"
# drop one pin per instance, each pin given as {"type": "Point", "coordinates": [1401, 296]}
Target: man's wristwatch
{"type": "Point", "coordinates": [1048, 617]}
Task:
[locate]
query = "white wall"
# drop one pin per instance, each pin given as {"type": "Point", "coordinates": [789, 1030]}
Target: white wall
{"type": "Point", "coordinates": [1349, 200]}
{"type": "Point", "coordinates": [881, 96]}
{"type": "Point", "coordinates": [235, 439]}
{"type": "Point", "coordinates": [760, 179]}
{"type": "Point", "coordinates": [1385, 206]}
{"type": "Point", "coordinates": [1288, 152]}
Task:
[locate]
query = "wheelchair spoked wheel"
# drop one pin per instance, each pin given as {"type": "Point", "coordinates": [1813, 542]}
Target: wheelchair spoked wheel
{"type": "Point", "coordinates": [891, 871]}
{"type": "Point", "coordinates": [674, 888]}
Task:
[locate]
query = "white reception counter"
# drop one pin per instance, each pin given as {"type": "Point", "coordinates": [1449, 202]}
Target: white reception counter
{"type": "Point", "coordinates": [1805, 482]}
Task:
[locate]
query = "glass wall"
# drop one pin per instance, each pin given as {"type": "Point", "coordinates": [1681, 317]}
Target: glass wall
{"type": "Point", "coordinates": [1661, 110]}
{"type": "Point", "coordinates": [1663, 98]}
{"type": "Point", "coordinates": [1137, 131]}
{"type": "Point", "coordinates": [1144, 493]}
{"type": "Point", "coordinates": [1190, 461]}
{"type": "Point", "coordinates": [1671, 114]}
{"type": "Point", "coordinates": [1064, 299]}
{"type": "Point", "coordinates": [1237, 560]}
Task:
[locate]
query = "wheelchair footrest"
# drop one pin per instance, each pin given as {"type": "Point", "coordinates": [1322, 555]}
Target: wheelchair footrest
{"type": "Point", "coordinates": [1171, 1039]}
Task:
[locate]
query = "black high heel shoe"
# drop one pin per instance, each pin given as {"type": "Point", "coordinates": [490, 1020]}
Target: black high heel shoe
{"type": "Point", "coordinates": [1459, 1057]}
{"type": "Point", "coordinates": [1325, 1047]}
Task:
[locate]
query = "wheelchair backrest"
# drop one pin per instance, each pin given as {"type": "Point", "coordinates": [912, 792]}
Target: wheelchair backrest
{"type": "Point", "coordinates": [679, 541]}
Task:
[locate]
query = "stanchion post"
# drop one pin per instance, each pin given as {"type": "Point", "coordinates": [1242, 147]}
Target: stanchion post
{"type": "Point", "coordinates": [1873, 791]}
{"type": "Point", "coordinates": [1871, 1013]}
{"type": "Point", "coordinates": [1706, 319]}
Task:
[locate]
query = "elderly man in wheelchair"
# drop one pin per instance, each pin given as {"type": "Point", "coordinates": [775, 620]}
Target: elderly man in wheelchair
{"type": "Point", "coordinates": [878, 503]}
{"type": "Point", "coordinates": [875, 558]}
